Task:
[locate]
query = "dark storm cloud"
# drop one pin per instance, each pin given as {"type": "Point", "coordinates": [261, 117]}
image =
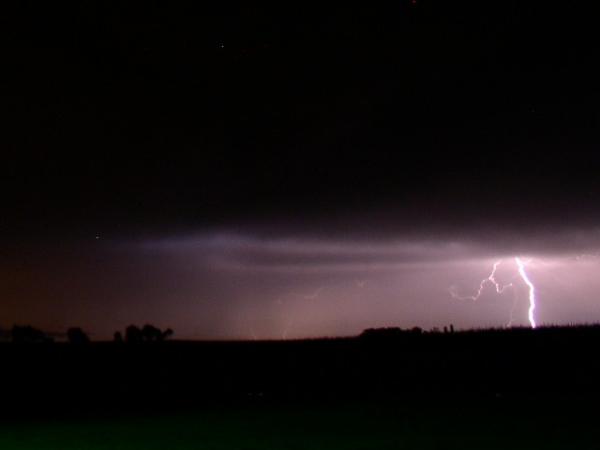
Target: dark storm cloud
{"type": "Point", "coordinates": [142, 116]}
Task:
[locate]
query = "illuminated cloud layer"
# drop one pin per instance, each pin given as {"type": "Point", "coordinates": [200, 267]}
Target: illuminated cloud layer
{"type": "Point", "coordinates": [223, 285]}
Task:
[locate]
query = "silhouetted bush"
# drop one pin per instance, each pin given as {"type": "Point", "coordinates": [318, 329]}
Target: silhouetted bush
{"type": "Point", "coordinates": [77, 336]}
{"type": "Point", "coordinates": [29, 335]}
{"type": "Point", "coordinates": [118, 337]}
{"type": "Point", "coordinates": [389, 332]}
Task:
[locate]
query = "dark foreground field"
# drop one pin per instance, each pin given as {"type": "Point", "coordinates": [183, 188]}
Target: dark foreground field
{"type": "Point", "coordinates": [495, 389]}
{"type": "Point", "coordinates": [514, 424]}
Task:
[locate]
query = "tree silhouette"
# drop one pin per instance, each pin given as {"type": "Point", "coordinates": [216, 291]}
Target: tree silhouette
{"type": "Point", "coordinates": [77, 336]}
{"type": "Point", "coordinates": [133, 335]}
{"type": "Point", "coordinates": [118, 337]}
{"type": "Point", "coordinates": [151, 334]}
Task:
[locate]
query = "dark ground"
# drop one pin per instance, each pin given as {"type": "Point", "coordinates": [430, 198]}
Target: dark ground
{"type": "Point", "coordinates": [492, 389]}
{"type": "Point", "coordinates": [494, 424]}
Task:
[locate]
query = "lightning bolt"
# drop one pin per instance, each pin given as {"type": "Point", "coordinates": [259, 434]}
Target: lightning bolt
{"type": "Point", "coordinates": [312, 296]}
{"type": "Point", "coordinates": [253, 334]}
{"type": "Point", "coordinates": [287, 329]}
{"type": "Point", "coordinates": [500, 288]}
{"type": "Point", "coordinates": [490, 279]}
{"type": "Point", "coordinates": [531, 287]}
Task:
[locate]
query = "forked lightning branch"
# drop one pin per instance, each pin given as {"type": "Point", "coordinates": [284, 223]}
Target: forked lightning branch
{"type": "Point", "coordinates": [500, 288]}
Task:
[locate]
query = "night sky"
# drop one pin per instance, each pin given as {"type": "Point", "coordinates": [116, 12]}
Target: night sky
{"type": "Point", "coordinates": [294, 170]}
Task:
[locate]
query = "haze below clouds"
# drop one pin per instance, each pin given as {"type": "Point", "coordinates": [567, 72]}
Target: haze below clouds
{"type": "Point", "coordinates": [269, 281]}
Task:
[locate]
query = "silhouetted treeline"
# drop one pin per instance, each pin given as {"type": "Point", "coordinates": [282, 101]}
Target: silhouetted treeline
{"type": "Point", "coordinates": [29, 335]}
{"type": "Point", "coordinates": [389, 332]}
{"type": "Point", "coordinates": [148, 333]}
{"type": "Point", "coordinates": [75, 335]}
